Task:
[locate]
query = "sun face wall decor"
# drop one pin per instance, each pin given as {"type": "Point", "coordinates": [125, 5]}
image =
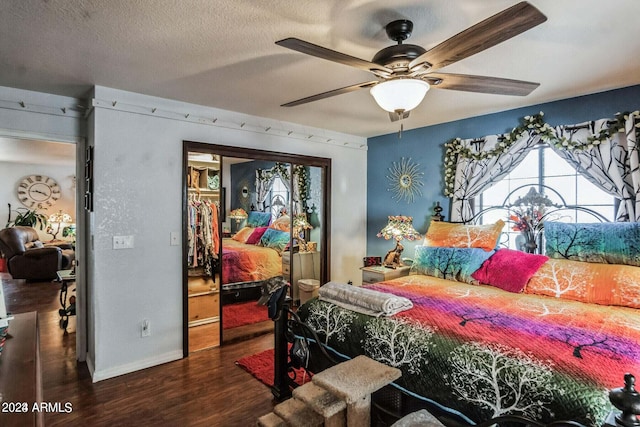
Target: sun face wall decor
{"type": "Point", "coordinates": [405, 180]}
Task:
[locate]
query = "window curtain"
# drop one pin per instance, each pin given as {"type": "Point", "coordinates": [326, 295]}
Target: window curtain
{"type": "Point", "coordinates": [298, 176]}
{"type": "Point", "coordinates": [264, 181]}
{"type": "Point", "coordinates": [481, 163]}
{"type": "Point", "coordinates": [606, 153]}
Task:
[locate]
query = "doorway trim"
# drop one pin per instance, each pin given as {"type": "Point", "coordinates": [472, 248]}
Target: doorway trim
{"type": "Point", "coordinates": [81, 237]}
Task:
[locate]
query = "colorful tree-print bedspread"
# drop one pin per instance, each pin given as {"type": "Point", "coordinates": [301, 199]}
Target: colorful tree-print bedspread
{"type": "Point", "coordinates": [485, 352]}
{"type": "Point", "coordinates": [248, 263]}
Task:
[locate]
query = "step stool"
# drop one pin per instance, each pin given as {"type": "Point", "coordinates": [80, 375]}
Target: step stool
{"type": "Point", "coordinates": [296, 413]}
{"type": "Point", "coordinates": [271, 420]}
{"type": "Point", "coordinates": [354, 381]}
{"type": "Point", "coordinates": [323, 402]}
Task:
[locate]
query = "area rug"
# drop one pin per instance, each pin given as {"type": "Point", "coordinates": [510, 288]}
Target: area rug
{"type": "Point", "coordinates": [260, 365]}
{"type": "Point", "coordinates": [243, 313]}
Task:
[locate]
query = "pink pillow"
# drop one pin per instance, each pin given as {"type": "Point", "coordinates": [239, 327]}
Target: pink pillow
{"type": "Point", "coordinates": [256, 235]}
{"type": "Point", "coordinates": [509, 270]}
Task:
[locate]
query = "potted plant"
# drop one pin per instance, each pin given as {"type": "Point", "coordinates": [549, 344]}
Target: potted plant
{"type": "Point", "coordinates": [28, 218]}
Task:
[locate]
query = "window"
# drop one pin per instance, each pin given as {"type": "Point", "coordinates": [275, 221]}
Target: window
{"type": "Point", "coordinates": [543, 167]}
{"type": "Point", "coordinates": [278, 197]}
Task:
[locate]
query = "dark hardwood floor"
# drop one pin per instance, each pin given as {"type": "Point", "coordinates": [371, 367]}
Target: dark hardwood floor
{"type": "Point", "coordinates": [205, 389]}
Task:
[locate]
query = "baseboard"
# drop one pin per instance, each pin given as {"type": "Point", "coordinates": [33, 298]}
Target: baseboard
{"type": "Point", "coordinates": [89, 362]}
{"type": "Point", "coordinates": [135, 366]}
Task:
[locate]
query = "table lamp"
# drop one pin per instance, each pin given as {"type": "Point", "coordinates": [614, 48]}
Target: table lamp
{"type": "Point", "coordinates": [56, 220]}
{"type": "Point", "coordinates": [238, 215]}
{"type": "Point", "coordinates": [398, 227]}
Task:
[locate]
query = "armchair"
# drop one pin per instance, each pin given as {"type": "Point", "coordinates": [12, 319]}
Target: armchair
{"type": "Point", "coordinates": [28, 258]}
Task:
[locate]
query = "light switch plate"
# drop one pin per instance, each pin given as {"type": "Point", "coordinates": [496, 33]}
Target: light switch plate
{"type": "Point", "coordinates": [175, 238]}
{"type": "Point", "coordinates": [122, 242]}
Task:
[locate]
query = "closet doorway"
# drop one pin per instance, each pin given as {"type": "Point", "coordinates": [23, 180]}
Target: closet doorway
{"type": "Point", "coordinates": [248, 216]}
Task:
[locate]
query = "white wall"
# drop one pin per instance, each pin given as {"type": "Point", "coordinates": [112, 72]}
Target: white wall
{"type": "Point", "coordinates": [137, 191]}
{"type": "Point", "coordinates": [46, 116]}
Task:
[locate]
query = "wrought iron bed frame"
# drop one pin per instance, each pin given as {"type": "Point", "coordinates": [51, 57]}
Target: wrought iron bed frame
{"type": "Point", "coordinates": [391, 403]}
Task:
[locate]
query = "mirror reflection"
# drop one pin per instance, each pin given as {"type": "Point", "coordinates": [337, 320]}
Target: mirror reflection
{"type": "Point", "coordinates": [249, 220]}
{"type": "Point", "coordinates": [255, 237]}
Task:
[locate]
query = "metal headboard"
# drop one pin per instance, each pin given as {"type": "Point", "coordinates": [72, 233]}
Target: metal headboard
{"type": "Point", "coordinates": [538, 203]}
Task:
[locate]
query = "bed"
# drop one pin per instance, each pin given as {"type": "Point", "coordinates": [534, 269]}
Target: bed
{"type": "Point", "coordinates": [497, 332]}
{"type": "Point", "coordinates": [252, 256]}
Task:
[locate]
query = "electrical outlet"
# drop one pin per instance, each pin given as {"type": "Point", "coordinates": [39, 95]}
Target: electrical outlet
{"type": "Point", "coordinates": [145, 328]}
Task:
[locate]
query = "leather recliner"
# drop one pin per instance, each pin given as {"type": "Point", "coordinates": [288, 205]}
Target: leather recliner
{"type": "Point", "coordinates": [28, 258]}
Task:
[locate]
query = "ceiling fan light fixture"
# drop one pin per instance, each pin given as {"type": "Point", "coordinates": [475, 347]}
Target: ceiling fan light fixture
{"type": "Point", "coordinates": [399, 94]}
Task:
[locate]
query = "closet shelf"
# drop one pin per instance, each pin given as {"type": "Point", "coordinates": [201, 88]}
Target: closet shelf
{"type": "Point", "coordinates": [204, 321]}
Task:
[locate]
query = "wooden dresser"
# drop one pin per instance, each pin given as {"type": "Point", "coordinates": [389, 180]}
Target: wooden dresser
{"type": "Point", "coordinates": [20, 376]}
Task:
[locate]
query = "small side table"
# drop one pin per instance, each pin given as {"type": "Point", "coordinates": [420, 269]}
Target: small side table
{"type": "Point", "coordinates": [65, 277]}
{"type": "Point", "coordinates": [379, 273]}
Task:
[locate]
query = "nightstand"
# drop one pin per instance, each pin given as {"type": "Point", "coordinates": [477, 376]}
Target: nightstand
{"type": "Point", "coordinates": [379, 273]}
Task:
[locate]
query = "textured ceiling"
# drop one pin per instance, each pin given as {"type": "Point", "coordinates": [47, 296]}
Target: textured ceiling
{"type": "Point", "coordinates": [222, 53]}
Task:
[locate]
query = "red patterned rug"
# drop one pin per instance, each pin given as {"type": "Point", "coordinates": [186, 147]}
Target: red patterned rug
{"type": "Point", "coordinates": [260, 365]}
{"type": "Point", "coordinates": [243, 313]}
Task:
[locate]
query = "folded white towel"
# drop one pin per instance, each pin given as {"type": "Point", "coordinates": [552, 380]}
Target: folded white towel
{"type": "Point", "coordinates": [362, 300]}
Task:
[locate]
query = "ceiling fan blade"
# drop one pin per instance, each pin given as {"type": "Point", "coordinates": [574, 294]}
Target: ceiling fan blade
{"type": "Point", "coordinates": [332, 55]}
{"type": "Point", "coordinates": [490, 32]}
{"type": "Point", "coordinates": [330, 93]}
{"type": "Point", "coordinates": [480, 84]}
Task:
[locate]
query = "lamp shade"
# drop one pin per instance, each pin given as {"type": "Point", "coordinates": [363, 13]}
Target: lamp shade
{"type": "Point", "coordinates": [399, 94]}
{"type": "Point", "coordinates": [399, 227]}
{"type": "Point", "coordinates": [300, 222]}
{"type": "Point", "coordinates": [60, 217]}
{"type": "Point", "coordinates": [238, 214]}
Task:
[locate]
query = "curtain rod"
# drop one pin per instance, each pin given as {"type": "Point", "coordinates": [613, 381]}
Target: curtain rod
{"type": "Point", "coordinates": [587, 125]}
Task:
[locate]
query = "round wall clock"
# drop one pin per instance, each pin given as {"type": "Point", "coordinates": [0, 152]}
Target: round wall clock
{"type": "Point", "coordinates": [38, 191]}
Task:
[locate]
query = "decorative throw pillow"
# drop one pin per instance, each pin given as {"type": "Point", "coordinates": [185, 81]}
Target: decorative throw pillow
{"type": "Point", "coordinates": [242, 235]}
{"type": "Point", "coordinates": [447, 234]}
{"type": "Point", "coordinates": [607, 242]}
{"type": "Point", "coordinates": [258, 219]}
{"type": "Point", "coordinates": [509, 270]}
{"type": "Point", "coordinates": [606, 284]}
{"type": "Point", "coordinates": [275, 239]}
{"type": "Point", "coordinates": [449, 263]}
{"type": "Point", "coordinates": [283, 223]}
{"type": "Point", "coordinates": [255, 237]}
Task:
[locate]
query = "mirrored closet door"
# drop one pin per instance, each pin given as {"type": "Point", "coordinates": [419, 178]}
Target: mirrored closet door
{"type": "Point", "coordinates": [272, 211]}
{"type": "Point", "coordinates": [256, 237]}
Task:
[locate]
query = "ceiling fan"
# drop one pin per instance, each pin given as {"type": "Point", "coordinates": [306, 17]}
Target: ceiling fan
{"type": "Point", "coordinates": [406, 71]}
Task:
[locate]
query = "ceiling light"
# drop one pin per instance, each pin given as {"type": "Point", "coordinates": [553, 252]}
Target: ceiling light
{"type": "Point", "coordinates": [399, 94]}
